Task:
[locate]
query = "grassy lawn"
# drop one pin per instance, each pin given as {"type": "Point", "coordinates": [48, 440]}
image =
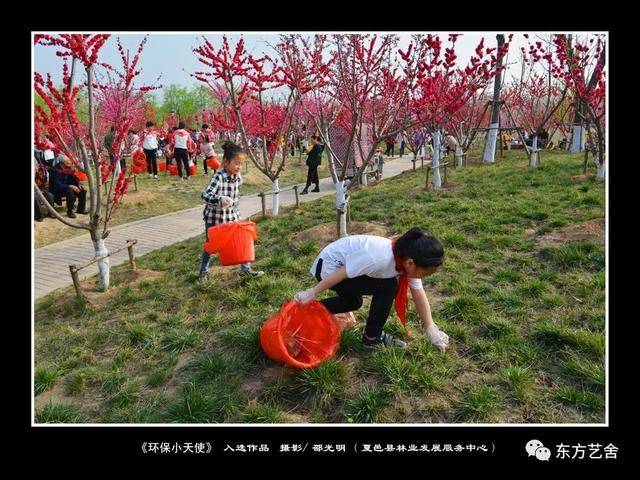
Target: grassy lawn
{"type": "Point", "coordinates": [167, 194]}
{"type": "Point", "coordinates": [526, 319]}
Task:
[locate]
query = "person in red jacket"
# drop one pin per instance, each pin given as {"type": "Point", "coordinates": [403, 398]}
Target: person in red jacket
{"type": "Point", "coordinates": [182, 144]}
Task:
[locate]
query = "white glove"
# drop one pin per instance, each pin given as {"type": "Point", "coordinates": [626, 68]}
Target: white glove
{"type": "Point", "coordinates": [305, 296]}
{"type": "Point", "coordinates": [438, 339]}
{"type": "Point", "coordinates": [225, 202]}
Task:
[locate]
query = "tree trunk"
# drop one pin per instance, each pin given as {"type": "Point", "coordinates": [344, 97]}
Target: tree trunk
{"type": "Point", "coordinates": [100, 250]}
{"type": "Point", "coordinates": [341, 207]}
{"type": "Point", "coordinates": [492, 134]}
{"type": "Point", "coordinates": [577, 138]}
{"type": "Point", "coordinates": [533, 156]}
{"type": "Point", "coordinates": [275, 208]}
{"type": "Point", "coordinates": [435, 160]}
{"type": "Point", "coordinates": [600, 166]}
{"type": "Point", "coordinates": [458, 156]}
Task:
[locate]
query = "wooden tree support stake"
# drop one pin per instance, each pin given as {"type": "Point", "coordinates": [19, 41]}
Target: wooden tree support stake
{"type": "Point", "coordinates": [264, 204]}
{"type": "Point", "coordinates": [76, 281]}
{"type": "Point", "coordinates": [295, 190]}
{"type": "Point", "coordinates": [132, 260]}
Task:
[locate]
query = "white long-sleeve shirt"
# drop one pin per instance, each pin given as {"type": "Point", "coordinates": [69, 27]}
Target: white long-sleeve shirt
{"type": "Point", "coordinates": [150, 140]}
{"type": "Point", "coordinates": [181, 138]}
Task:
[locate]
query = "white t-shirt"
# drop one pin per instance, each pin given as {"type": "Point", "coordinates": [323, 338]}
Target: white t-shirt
{"type": "Point", "coordinates": [362, 255]}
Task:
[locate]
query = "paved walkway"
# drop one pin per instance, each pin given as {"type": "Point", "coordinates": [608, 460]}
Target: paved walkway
{"type": "Point", "coordinates": [52, 261]}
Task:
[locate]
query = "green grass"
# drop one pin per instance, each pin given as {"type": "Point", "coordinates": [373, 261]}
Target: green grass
{"type": "Point", "coordinates": [526, 323]}
{"type": "Point", "coordinates": [478, 404]}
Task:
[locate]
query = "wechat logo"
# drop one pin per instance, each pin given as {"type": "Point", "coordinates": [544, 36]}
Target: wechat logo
{"type": "Point", "coordinates": [535, 448]}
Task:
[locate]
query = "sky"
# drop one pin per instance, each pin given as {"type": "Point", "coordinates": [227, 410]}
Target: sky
{"type": "Point", "coordinates": [171, 55]}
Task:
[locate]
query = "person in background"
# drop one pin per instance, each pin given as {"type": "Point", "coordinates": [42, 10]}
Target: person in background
{"type": "Point", "coordinates": [108, 143]}
{"type": "Point", "coordinates": [132, 142]}
{"type": "Point", "coordinates": [206, 146]}
{"type": "Point", "coordinates": [40, 210]}
{"type": "Point", "coordinates": [314, 158]}
{"type": "Point", "coordinates": [182, 143]}
{"type": "Point", "coordinates": [48, 152]}
{"type": "Point", "coordinates": [506, 140]}
{"type": "Point", "coordinates": [401, 140]}
{"type": "Point", "coordinates": [390, 143]}
{"type": "Point", "coordinates": [149, 143]}
{"type": "Point", "coordinates": [64, 183]}
{"type": "Point", "coordinates": [452, 143]}
{"type": "Point", "coordinates": [563, 143]}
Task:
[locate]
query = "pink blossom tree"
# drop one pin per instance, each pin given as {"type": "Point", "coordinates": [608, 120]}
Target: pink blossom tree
{"type": "Point", "coordinates": [443, 88]}
{"type": "Point", "coordinates": [355, 95]}
{"type": "Point", "coordinates": [539, 93]}
{"type": "Point", "coordinates": [261, 100]}
{"type": "Point", "coordinates": [581, 65]}
{"type": "Point", "coordinates": [78, 141]}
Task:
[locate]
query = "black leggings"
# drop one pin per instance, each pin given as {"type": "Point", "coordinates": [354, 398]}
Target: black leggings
{"type": "Point", "coordinates": [350, 292]}
{"type": "Point", "coordinates": [182, 158]}
{"type": "Point", "coordinates": [152, 163]}
{"type": "Point", "coordinates": [312, 176]}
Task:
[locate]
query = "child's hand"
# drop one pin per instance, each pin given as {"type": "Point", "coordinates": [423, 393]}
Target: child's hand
{"type": "Point", "coordinates": [225, 202]}
{"type": "Point", "coordinates": [438, 339]}
{"type": "Point", "coordinates": [305, 296]}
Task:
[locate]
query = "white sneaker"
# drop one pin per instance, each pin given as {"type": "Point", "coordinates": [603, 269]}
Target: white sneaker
{"type": "Point", "coordinates": [149, 175]}
{"type": "Point", "coordinates": [438, 339]}
{"type": "Point", "coordinates": [155, 177]}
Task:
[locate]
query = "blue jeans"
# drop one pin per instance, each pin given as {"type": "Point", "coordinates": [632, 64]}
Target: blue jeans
{"type": "Point", "coordinates": [206, 257]}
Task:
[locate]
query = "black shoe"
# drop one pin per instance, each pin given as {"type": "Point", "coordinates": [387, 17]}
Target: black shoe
{"type": "Point", "coordinates": [383, 340]}
{"type": "Point", "coordinates": [317, 189]}
{"type": "Point", "coordinates": [71, 215]}
{"type": "Point", "coordinates": [304, 192]}
{"type": "Point", "coordinates": [84, 212]}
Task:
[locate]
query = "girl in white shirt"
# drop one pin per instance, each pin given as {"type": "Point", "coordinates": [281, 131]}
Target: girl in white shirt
{"type": "Point", "coordinates": [360, 265]}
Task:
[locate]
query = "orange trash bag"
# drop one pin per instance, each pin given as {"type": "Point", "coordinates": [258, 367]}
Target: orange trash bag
{"type": "Point", "coordinates": [162, 166]}
{"type": "Point", "coordinates": [302, 336]}
{"type": "Point", "coordinates": [233, 241]}
{"type": "Point", "coordinates": [81, 176]}
{"type": "Point", "coordinates": [213, 163]}
{"type": "Point", "coordinates": [173, 169]}
{"type": "Point", "coordinates": [193, 170]}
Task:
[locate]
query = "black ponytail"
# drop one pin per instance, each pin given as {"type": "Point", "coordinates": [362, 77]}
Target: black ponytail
{"type": "Point", "coordinates": [231, 150]}
{"type": "Point", "coordinates": [426, 251]}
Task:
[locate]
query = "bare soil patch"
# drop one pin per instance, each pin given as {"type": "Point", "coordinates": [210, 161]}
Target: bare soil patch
{"type": "Point", "coordinates": [589, 231]}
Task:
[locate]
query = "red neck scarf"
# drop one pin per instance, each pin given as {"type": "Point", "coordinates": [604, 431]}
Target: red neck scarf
{"type": "Point", "coordinates": [402, 294]}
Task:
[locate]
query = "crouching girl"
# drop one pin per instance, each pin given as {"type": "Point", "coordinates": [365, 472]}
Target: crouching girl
{"type": "Point", "coordinates": [360, 265]}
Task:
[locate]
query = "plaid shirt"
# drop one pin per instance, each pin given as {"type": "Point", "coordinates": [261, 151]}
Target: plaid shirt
{"type": "Point", "coordinates": [222, 184]}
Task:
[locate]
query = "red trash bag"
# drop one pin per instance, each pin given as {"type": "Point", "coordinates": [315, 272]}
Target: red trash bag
{"type": "Point", "coordinates": [193, 170]}
{"type": "Point", "coordinates": [162, 166]}
{"type": "Point", "coordinates": [138, 169]}
{"type": "Point", "coordinates": [139, 158]}
{"type": "Point", "coordinates": [81, 176]}
{"type": "Point", "coordinates": [302, 336]}
{"type": "Point", "coordinates": [213, 163]}
{"type": "Point", "coordinates": [232, 241]}
{"type": "Point", "coordinates": [173, 169]}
